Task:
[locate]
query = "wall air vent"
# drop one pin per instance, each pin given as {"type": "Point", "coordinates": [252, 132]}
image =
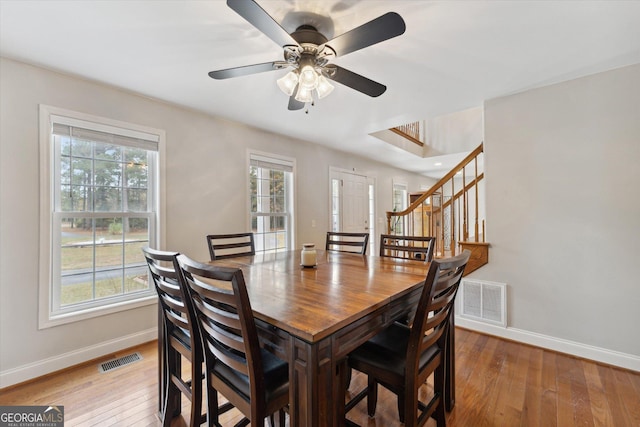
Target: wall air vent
{"type": "Point", "coordinates": [483, 301]}
{"type": "Point", "coordinates": [110, 365]}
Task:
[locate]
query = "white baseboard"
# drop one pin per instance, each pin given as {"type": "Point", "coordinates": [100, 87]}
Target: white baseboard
{"type": "Point", "coordinates": [597, 354]}
{"type": "Point", "coordinates": [55, 363]}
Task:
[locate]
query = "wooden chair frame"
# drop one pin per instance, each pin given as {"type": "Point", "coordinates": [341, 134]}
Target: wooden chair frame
{"type": "Point", "coordinates": [407, 247]}
{"type": "Point", "coordinates": [230, 245]}
{"type": "Point", "coordinates": [177, 316]}
{"type": "Point", "coordinates": [425, 342]}
{"type": "Point", "coordinates": [337, 241]}
{"type": "Point", "coordinates": [230, 343]}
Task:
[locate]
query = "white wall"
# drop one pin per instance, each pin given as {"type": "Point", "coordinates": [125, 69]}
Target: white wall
{"type": "Point", "coordinates": [206, 181]}
{"type": "Point", "coordinates": [458, 132]}
{"type": "Point", "coordinates": [563, 212]}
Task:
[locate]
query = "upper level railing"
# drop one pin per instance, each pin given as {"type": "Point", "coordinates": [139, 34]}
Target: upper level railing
{"type": "Point", "coordinates": [450, 211]}
{"type": "Point", "coordinates": [410, 131]}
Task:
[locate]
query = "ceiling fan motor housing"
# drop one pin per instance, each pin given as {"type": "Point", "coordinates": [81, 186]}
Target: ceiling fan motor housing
{"type": "Point", "coordinates": [310, 50]}
{"type": "Point", "coordinates": [308, 34]}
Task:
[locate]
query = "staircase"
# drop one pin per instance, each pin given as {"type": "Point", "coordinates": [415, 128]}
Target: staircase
{"type": "Point", "coordinates": [450, 211]}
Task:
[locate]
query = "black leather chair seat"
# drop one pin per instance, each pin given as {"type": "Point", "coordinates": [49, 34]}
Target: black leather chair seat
{"type": "Point", "coordinates": [388, 351]}
{"type": "Point", "coordinates": [276, 377]}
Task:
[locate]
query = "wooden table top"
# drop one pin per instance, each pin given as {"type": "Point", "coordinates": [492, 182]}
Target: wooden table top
{"type": "Point", "coordinates": [313, 303]}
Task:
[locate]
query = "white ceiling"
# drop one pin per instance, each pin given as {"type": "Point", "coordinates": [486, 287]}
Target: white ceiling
{"type": "Point", "coordinates": [453, 56]}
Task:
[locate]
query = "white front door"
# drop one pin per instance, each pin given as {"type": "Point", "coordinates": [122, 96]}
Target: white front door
{"type": "Point", "coordinates": [355, 203]}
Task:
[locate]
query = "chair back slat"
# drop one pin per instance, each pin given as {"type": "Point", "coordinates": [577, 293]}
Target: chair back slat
{"type": "Point", "coordinates": [225, 328]}
{"type": "Point", "coordinates": [230, 245]}
{"type": "Point", "coordinates": [177, 319]}
{"type": "Point", "coordinates": [407, 247]}
{"type": "Point", "coordinates": [347, 242]}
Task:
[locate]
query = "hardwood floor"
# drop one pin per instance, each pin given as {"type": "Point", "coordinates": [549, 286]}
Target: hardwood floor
{"type": "Point", "coordinates": [498, 383]}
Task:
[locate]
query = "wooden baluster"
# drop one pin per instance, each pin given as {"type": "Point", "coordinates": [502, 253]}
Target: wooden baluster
{"type": "Point", "coordinates": [452, 243]}
{"type": "Point", "coordinates": [483, 231]}
{"type": "Point", "coordinates": [459, 222]}
{"type": "Point", "coordinates": [465, 208]}
{"type": "Point", "coordinates": [422, 217]}
{"type": "Point", "coordinates": [476, 191]}
{"type": "Point", "coordinates": [441, 234]}
{"type": "Point", "coordinates": [431, 227]}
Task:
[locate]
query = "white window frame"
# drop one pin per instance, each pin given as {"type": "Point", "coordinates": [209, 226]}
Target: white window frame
{"type": "Point", "coordinates": [373, 226]}
{"type": "Point", "coordinates": [403, 188]}
{"type": "Point", "coordinates": [49, 316]}
{"type": "Point", "coordinates": [287, 162]}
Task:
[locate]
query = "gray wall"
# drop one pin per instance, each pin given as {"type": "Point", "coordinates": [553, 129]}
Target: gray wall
{"type": "Point", "coordinates": [206, 181]}
{"type": "Point", "coordinates": [563, 209]}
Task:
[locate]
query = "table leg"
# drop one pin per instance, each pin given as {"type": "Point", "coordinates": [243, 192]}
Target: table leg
{"type": "Point", "coordinates": [311, 382]}
{"type": "Point", "coordinates": [340, 383]}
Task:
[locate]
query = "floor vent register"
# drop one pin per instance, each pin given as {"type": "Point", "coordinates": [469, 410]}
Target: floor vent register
{"type": "Point", "coordinates": [110, 365]}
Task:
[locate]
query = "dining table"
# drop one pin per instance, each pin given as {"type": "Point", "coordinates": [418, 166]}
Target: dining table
{"type": "Point", "coordinates": [313, 317]}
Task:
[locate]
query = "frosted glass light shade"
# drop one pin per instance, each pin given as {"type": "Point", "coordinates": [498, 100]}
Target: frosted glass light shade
{"type": "Point", "coordinates": [324, 87]}
{"type": "Point", "coordinates": [308, 77]}
{"type": "Point", "coordinates": [288, 83]}
{"type": "Point", "coordinates": [304, 94]}
{"type": "Point", "coordinates": [306, 80]}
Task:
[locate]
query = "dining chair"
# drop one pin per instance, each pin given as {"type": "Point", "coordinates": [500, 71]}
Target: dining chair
{"type": "Point", "coordinates": [181, 338]}
{"type": "Point", "coordinates": [407, 247]}
{"type": "Point", "coordinates": [251, 379]}
{"type": "Point", "coordinates": [402, 357]}
{"type": "Point", "coordinates": [230, 245]}
{"type": "Point", "coordinates": [347, 242]}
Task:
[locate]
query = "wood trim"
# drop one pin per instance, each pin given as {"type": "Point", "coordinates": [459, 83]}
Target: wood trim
{"type": "Point", "coordinates": [479, 255]}
{"type": "Point", "coordinates": [407, 136]}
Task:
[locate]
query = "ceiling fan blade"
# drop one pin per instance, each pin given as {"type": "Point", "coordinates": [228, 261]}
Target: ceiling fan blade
{"type": "Point", "coordinates": [294, 104]}
{"type": "Point", "coordinates": [256, 16]}
{"type": "Point", "coordinates": [357, 82]}
{"type": "Point", "coordinates": [245, 70]}
{"type": "Point", "coordinates": [378, 30]}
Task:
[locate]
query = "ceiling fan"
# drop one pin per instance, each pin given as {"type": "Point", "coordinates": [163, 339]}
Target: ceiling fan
{"type": "Point", "coordinates": [308, 52]}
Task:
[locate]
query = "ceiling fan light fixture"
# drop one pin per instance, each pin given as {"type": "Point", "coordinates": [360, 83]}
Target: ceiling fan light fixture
{"type": "Point", "coordinates": [324, 88]}
{"type": "Point", "coordinates": [288, 83]}
{"type": "Point", "coordinates": [308, 52]}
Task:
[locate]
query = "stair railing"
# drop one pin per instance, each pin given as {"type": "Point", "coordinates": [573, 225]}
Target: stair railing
{"type": "Point", "coordinates": [446, 210]}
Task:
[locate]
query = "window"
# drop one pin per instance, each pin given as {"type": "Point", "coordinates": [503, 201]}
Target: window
{"type": "Point", "coordinates": [400, 198]}
{"type": "Point", "coordinates": [271, 201]}
{"type": "Point", "coordinates": [335, 204]}
{"type": "Point", "coordinates": [101, 209]}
